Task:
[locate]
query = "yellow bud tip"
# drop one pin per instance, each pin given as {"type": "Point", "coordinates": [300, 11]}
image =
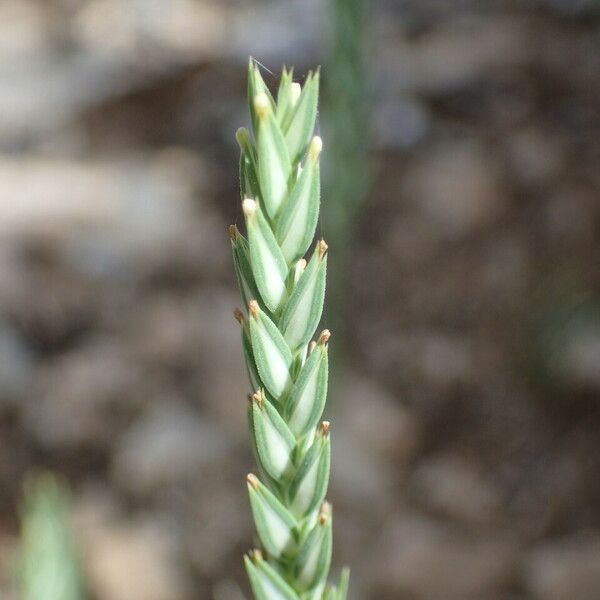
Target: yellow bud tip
{"type": "Point", "coordinates": [242, 136]}
{"type": "Point", "coordinates": [239, 316]}
{"type": "Point", "coordinates": [295, 92]}
{"type": "Point", "coordinates": [301, 264]}
{"type": "Point", "coordinates": [261, 105]}
{"type": "Point", "coordinates": [252, 480]}
{"type": "Point", "coordinates": [323, 247]}
{"type": "Point", "coordinates": [249, 207]}
{"type": "Point", "coordinates": [324, 513]}
{"type": "Point", "coordinates": [233, 232]}
{"type": "Point", "coordinates": [325, 427]}
{"type": "Point", "coordinates": [316, 145]}
{"type": "Point", "coordinates": [324, 337]}
{"type": "Point", "coordinates": [258, 397]}
{"type": "Point", "coordinates": [256, 556]}
{"type": "Point", "coordinates": [311, 347]}
{"type": "Point", "coordinates": [253, 308]}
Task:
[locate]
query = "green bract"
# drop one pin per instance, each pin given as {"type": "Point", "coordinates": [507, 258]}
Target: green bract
{"type": "Point", "coordinates": [49, 566]}
{"type": "Point", "coordinates": [284, 295]}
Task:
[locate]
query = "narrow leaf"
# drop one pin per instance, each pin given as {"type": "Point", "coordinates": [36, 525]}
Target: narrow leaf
{"type": "Point", "coordinates": [274, 523]}
{"type": "Point", "coordinates": [274, 166]}
{"type": "Point", "coordinates": [249, 186]}
{"type": "Point", "coordinates": [266, 583]}
{"type": "Point", "coordinates": [248, 352]}
{"type": "Point", "coordinates": [304, 308]}
{"type": "Point", "coordinates": [296, 226]}
{"type": "Point", "coordinates": [301, 124]}
{"type": "Point", "coordinates": [241, 263]}
{"type": "Point", "coordinates": [244, 188]}
{"type": "Point", "coordinates": [268, 264]}
{"type": "Point", "coordinates": [263, 474]}
{"type": "Point", "coordinates": [307, 398]}
{"type": "Point", "coordinates": [309, 486]}
{"type": "Point", "coordinates": [271, 352]}
{"type": "Point", "coordinates": [274, 441]}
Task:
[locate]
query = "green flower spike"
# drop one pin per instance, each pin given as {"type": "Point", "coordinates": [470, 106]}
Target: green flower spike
{"type": "Point", "coordinates": [284, 291]}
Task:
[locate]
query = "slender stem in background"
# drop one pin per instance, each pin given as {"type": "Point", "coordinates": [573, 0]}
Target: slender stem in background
{"type": "Point", "coordinates": [346, 163]}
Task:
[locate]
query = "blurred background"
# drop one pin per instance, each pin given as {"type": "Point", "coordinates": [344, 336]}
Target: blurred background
{"type": "Point", "coordinates": [462, 204]}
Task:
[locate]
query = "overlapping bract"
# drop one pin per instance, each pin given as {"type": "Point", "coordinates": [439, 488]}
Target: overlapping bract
{"type": "Point", "coordinates": [284, 295]}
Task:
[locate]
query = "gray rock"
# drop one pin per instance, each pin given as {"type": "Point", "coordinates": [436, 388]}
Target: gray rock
{"type": "Point", "coordinates": [535, 156]}
{"type": "Point", "coordinates": [143, 199]}
{"type": "Point", "coordinates": [571, 7]}
{"type": "Point", "coordinates": [276, 32]}
{"type": "Point", "coordinates": [440, 359]}
{"type": "Point", "coordinates": [565, 569]}
{"type": "Point", "coordinates": [569, 216]}
{"type": "Point", "coordinates": [450, 486]}
{"type": "Point", "coordinates": [16, 367]}
{"type": "Point", "coordinates": [223, 371]}
{"type": "Point", "coordinates": [165, 332]}
{"type": "Point", "coordinates": [76, 394]}
{"type": "Point", "coordinates": [409, 241]}
{"type": "Point", "coordinates": [400, 124]}
{"type": "Point", "coordinates": [116, 219]}
{"type": "Point", "coordinates": [170, 445]}
{"type": "Point", "coordinates": [426, 559]}
{"type": "Point", "coordinates": [463, 197]}
{"type": "Point", "coordinates": [135, 559]}
{"type": "Point", "coordinates": [376, 420]}
{"type": "Point", "coordinates": [227, 589]}
{"type": "Point", "coordinates": [218, 512]}
{"type": "Point", "coordinates": [449, 57]}
{"type": "Point", "coordinates": [582, 358]}
{"type": "Point", "coordinates": [358, 475]}
{"type": "Point", "coordinates": [178, 31]}
{"type": "Point", "coordinates": [56, 64]}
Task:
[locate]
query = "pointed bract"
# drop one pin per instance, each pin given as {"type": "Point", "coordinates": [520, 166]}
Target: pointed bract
{"type": "Point", "coordinates": [300, 125]}
{"type": "Point", "coordinates": [304, 308]}
{"type": "Point", "coordinates": [274, 166]}
{"type": "Point", "coordinates": [271, 352]}
{"type": "Point", "coordinates": [274, 523]}
{"type": "Point", "coordinates": [275, 443]}
{"type": "Point", "coordinates": [269, 268]}
{"type": "Point", "coordinates": [266, 583]}
{"type": "Point", "coordinates": [314, 557]}
{"type": "Point", "coordinates": [307, 398]}
{"type": "Point", "coordinates": [296, 225]}
{"type": "Point", "coordinates": [309, 486]}
{"type": "Point", "coordinates": [285, 95]}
